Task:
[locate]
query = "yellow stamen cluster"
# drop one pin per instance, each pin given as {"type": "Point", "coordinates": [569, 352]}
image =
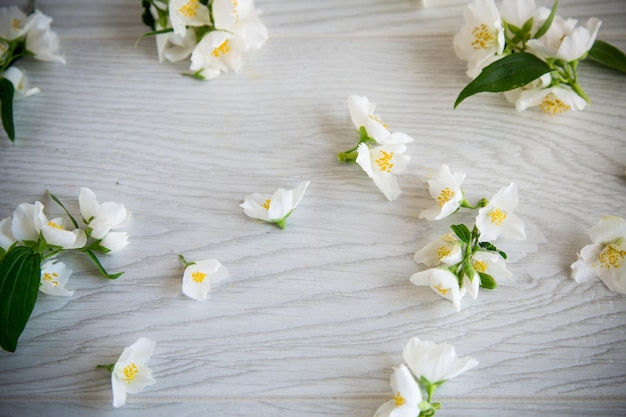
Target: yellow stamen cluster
{"type": "Point", "coordinates": [444, 196]}
{"type": "Point", "coordinates": [399, 399]}
{"type": "Point", "coordinates": [17, 24]}
{"type": "Point", "coordinates": [483, 38]}
{"type": "Point", "coordinates": [480, 266]}
{"type": "Point", "coordinates": [190, 8]}
{"type": "Point", "coordinates": [56, 226]}
{"type": "Point", "coordinates": [267, 203]}
{"type": "Point", "coordinates": [130, 373]}
{"type": "Point", "coordinates": [379, 120]}
{"type": "Point", "coordinates": [443, 251]}
{"type": "Point", "coordinates": [551, 104]}
{"type": "Point", "coordinates": [384, 162]}
{"type": "Point", "coordinates": [611, 256]}
{"type": "Point", "coordinates": [51, 278]}
{"type": "Point", "coordinates": [223, 49]}
{"type": "Point", "coordinates": [440, 289]}
{"type": "Point", "coordinates": [497, 216]}
{"type": "Point", "coordinates": [198, 276]}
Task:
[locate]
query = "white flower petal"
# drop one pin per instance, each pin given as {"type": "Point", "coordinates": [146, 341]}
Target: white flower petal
{"type": "Point", "coordinates": [199, 278]}
{"type": "Point", "coordinates": [608, 229]}
{"type": "Point", "coordinates": [436, 362]}
{"type": "Point", "coordinates": [115, 241]}
{"type": "Point", "coordinates": [6, 235]}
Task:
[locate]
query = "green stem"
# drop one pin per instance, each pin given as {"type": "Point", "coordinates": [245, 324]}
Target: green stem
{"type": "Point", "coordinates": [184, 261]}
{"type": "Point", "coordinates": [109, 367]}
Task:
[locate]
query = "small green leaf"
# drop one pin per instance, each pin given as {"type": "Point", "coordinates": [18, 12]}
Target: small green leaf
{"type": "Point", "coordinates": [462, 232]}
{"type": "Point", "coordinates": [56, 200]}
{"type": "Point", "coordinates": [96, 261]}
{"type": "Point", "coordinates": [608, 55]}
{"type": "Point", "coordinates": [512, 71]}
{"type": "Point", "coordinates": [487, 281]}
{"type": "Point", "coordinates": [546, 25]}
{"type": "Point", "coordinates": [20, 275]}
{"type": "Point", "coordinates": [147, 17]}
{"type": "Point", "coordinates": [6, 107]}
{"type": "Point", "coordinates": [153, 33]}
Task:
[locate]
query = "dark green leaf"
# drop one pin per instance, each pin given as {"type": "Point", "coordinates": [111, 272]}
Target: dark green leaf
{"type": "Point", "coordinates": [147, 17]}
{"type": "Point", "coordinates": [546, 25]}
{"type": "Point", "coordinates": [512, 71]}
{"type": "Point", "coordinates": [462, 232]}
{"type": "Point", "coordinates": [606, 54]}
{"type": "Point", "coordinates": [154, 32]}
{"type": "Point", "coordinates": [96, 261]}
{"type": "Point", "coordinates": [6, 102]}
{"type": "Point", "coordinates": [487, 281]}
{"type": "Point", "coordinates": [20, 275]}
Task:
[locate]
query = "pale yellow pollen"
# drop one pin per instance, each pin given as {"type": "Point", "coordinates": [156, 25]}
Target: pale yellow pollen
{"type": "Point", "coordinates": [443, 251]}
{"type": "Point", "coordinates": [235, 5]}
{"type": "Point", "coordinates": [480, 266]}
{"type": "Point", "coordinates": [130, 373]}
{"type": "Point", "coordinates": [56, 226]}
{"type": "Point", "coordinates": [384, 162]}
{"type": "Point", "coordinates": [223, 49]}
{"type": "Point", "coordinates": [190, 8]}
{"type": "Point", "coordinates": [551, 104]}
{"type": "Point", "coordinates": [379, 120]}
{"type": "Point", "coordinates": [444, 196]}
{"type": "Point", "coordinates": [399, 399]}
{"type": "Point", "coordinates": [483, 38]}
{"type": "Point", "coordinates": [267, 203]}
{"type": "Point", "coordinates": [497, 216]}
{"type": "Point", "coordinates": [440, 289]}
{"type": "Point", "coordinates": [16, 23]}
{"type": "Point", "coordinates": [611, 256]}
{"type": "Point", "coordinates": [51, 278]}
{"type": "Point", "coordinates": [198, 276]}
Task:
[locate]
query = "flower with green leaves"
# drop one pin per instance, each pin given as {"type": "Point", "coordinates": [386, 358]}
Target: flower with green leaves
{"type": "Point", "coordinates": [275, 208]}
{"type": "Point", "coordinates": [605, 258]}
{"type": "Point", "coordinates": [200, 276]}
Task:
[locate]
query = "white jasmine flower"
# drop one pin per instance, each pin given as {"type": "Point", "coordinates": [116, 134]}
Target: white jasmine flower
{"type": "Point", "coordinates": [481, 40]}
{"type": "Point", "coordinates": [435, 362]}
{"type": "Point", "coordinates": [553, 100]}
{"type": "Point", "coordinates": [19, 81]}
{"type": "Point", "coordinates": [54, 276]}
{"type": "Point", "coordinates": [564, 40]}
{"type": "Point", "coordinates": [217, 52]}
{"type": "Point", "coordinates": [199, 276]}
{"type": "Point", "coordinates": [42, 41]}
{"type": "Point", "coordinates": [55, 233]}
{"type": "Point", "coordinates": [29, 221]}
{"type": "Point", "coordinates": [130, 374]}
{"type": "Point", "coordinates": [446, 249]}
{"type": "Point", "coordinates": [446, 190]}
{"type": "Point", "coordinates": [185, 13]}
{"type": "Point", "coordinates": [497, 217]}
{"type": "Point", "coordinates": [406, 395]}
{"type": "Point", "coordinates": [114, 241]}
{"type": "Point", "coordinates": [606, 256]}
{"type": "Point", "coordinates": [274, 208]}
{"type": "Point", "coordinates": [362, 114]}
{"type": "Point", "coordinates": [101, 217]}
{"type": "Point", "coordinates": [240, 18]}
{"type": "Point", "coordinates": [14, 23]}
{"type": "Point", "coordinates": [173, 47]}
{"type": "Point", "coordinates": [6, 235]}
{"type": "Point", "coordinates": [382, 163]}
{"type": "Point", "coordinates": [443, 282]}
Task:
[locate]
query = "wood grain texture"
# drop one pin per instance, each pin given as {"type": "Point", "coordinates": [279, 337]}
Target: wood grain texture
{"type": "Point", "coordinates": [313, 317]}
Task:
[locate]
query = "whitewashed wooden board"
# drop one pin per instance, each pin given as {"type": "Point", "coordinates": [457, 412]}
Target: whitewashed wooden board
{"type": "Point", "coordinates": [313, 317]}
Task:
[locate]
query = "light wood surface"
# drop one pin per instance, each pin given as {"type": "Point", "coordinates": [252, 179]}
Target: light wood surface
{"type": "Point", "coordinates": [313, 317]}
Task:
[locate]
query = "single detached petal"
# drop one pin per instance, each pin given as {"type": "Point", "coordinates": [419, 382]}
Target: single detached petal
{"type": "Point", "coordinates": [436, 362]}
{"type": "Point", "coordinates": [199, 277]}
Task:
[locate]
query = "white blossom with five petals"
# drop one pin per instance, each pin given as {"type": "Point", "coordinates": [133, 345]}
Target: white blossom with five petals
{"type": "Point", "coordinates": [130, 374]}
{"type": "Point", "coordinates": [217, 52]}
{"type": "Point", "coordinates": [185, 13]}
{"type": "Point", "coordinates": [406, 395]}
{"type": "Point", "coordinates": [497, 217]}
{"type": "Point", "coordinates": [274, 208]}
{"type": "Point", "coordinates": [199, 277]}
{"type": "Point", "coordinates": [101, 218]}
{"type": "Point", "coordinates": [446, 190]}
{"type": "Point", "coordinates": [382, 164]}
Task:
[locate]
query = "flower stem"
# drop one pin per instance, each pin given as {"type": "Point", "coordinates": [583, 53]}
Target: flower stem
{"type": "Point", "coordinates": [108, 367]}
{"type": "Point", "coordinates": [184, 261]}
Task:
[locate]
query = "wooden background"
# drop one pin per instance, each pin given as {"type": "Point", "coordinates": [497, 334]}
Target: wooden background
{"type": "Point", "coordinates": [313, 317]}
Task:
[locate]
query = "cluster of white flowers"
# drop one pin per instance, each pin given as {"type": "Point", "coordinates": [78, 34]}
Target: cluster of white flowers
{"type": "Point", "coordinates": [379, 152]}
{"type": "Point", "coordinates": [30, 226]}
{"type": "Point", "coordinates": [216, 33]}
{"type": "Point", "coordinates": [464, 261]}
{"type": "Point", "coordinates": [490, 34]}
{"type": "Point", "coordinates": [429, 365]}
{"type": "Point", "coordinates": [24, 35]}
{"type": "Point", "coordinates": [605, 258]}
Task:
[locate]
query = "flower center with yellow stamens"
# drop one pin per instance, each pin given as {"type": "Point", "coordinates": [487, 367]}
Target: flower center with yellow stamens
{"type": "Point", "coordinates": [198, 276]}
{"type": "Point", "coordinates": [384, 162]}
{"type": "Point", "coordinates": [399, 399]}
{"type": "Point", "coordinates": [190, 8]}
{"type": "Point", "coordinates": [483, 38]}
{"type": "Point", "coordinates": [497, 216]}
{"type": "Point", "coordinates": [551, 104]}
{"type": "Point", "coordinates": [444, 196]}
{"type": "Point", "coordinates": [440, 289]}
{"type": "Point", "coordinates": [17, 24]}
{"type": "Point", "coordinates": [379, 120]}
{"type": "Point", "coordinates": [51, 278]}
{"type": "Point", "coordinates": [611, 256]}
{"type": "Point", "coordinates": [130, 373]}
{"type": "Point", "coordinates": [480, 266]}
{"type": "Point", "coordinates": [443, 251]}
{"type": "Point", "coordinates": [55, 225]}
{"type": "Point", "coordinates": [223, 49]}
{"type": "Point", "coordinates": [267, 203]}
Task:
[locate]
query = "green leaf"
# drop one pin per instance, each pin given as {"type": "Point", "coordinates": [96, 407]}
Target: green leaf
{"type": "Point", "coordinates": [147, 17]}
{"type": "Point", "coordinates": [512, 71]}
{"type": "Point", "coordinates": [56, 200]}
{"type": "Point", "coordinates": [491, 247]}
{"type": "Point", "coordinates": [487, 281]}
{"type": "Point", "coordinates": [96, 261]}
{"type": "Point", "coordinates": [153, 33]}
{"type": "Point", "coordinates": [606, 54]}
{"type": "Point", "coordinates": [546, 25]}
{"type": "Point", "coordinates": [462, 232]}
{"type": "Point", "coordinates": [6, 107]}
{"type": "Point", "coordinates": [20, 275]}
